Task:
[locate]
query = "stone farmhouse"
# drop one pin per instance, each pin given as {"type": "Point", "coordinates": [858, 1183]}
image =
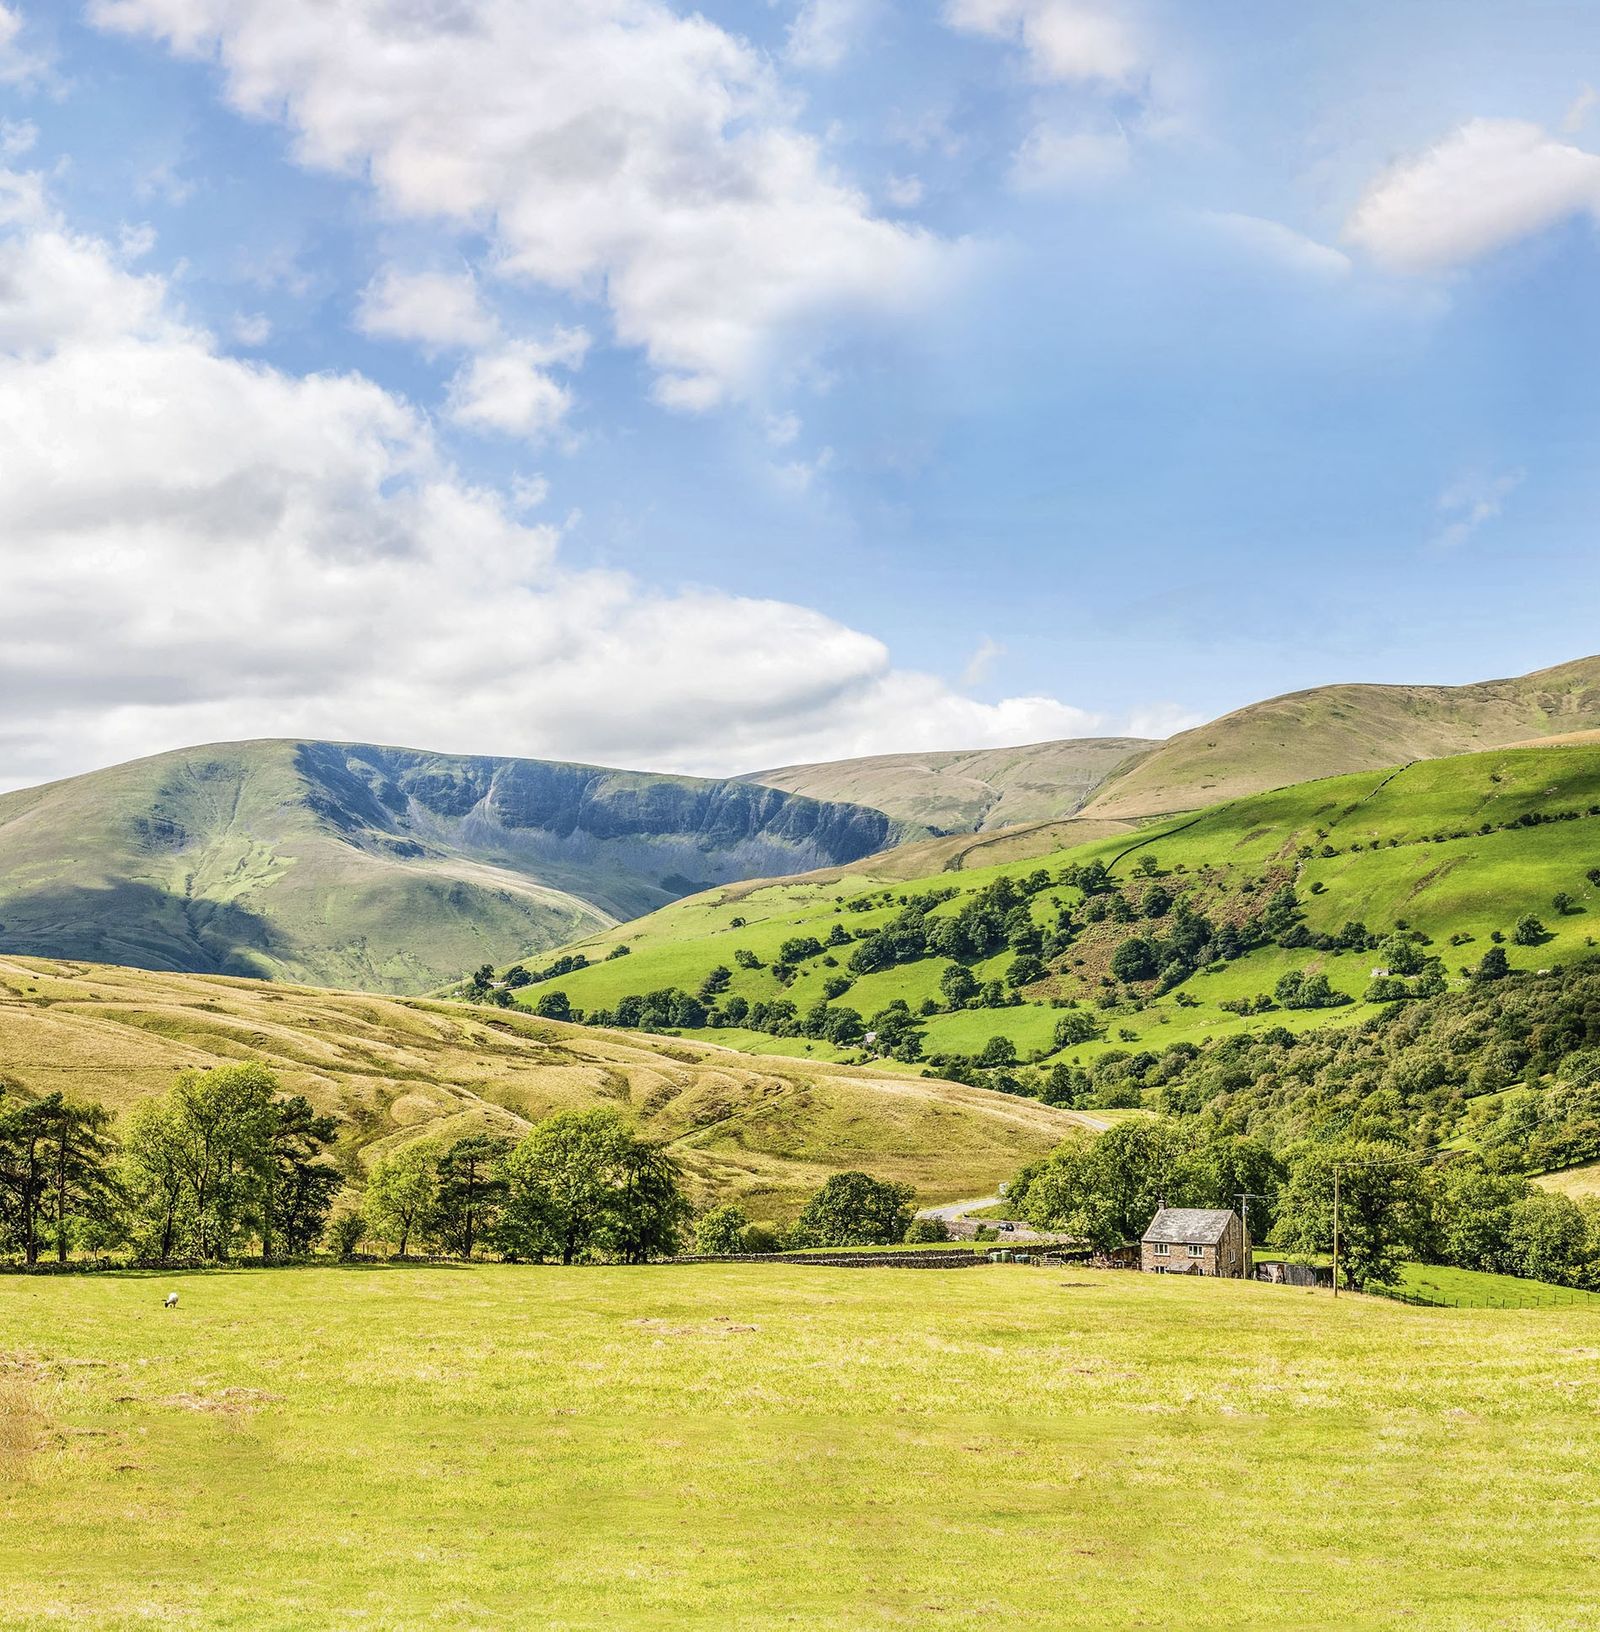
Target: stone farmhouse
{"type": "Point", "coordinates": [1195, 1241]}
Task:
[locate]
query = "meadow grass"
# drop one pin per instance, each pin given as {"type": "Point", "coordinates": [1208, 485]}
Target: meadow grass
{"type": "Point", "coordinates": [764, 1446]}
{"type": "Point", "coordinates": [1583, 1180]}
{"type": "Point", "coordinates": [1474, 1289]}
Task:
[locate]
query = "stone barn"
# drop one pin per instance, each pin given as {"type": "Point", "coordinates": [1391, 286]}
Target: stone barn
{"type": "Point", "coordinates": [1195, 1241]}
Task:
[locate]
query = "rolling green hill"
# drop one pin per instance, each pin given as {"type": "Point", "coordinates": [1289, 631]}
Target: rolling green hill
{"type": "Point", "coordinates": [1448, 853]}
{"type": "Point", "coordinates": [969, 792]}
{"type": "Point", "coordinates": [384, 868]}
{"type": "Point", "coordinates": [765, 1132]}
{"type": "Point", "coordinates": [1332, 730]}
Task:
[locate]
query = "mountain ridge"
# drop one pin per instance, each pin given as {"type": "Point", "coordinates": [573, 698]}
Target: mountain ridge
{"type": "Point", "coordinates": [968, 790]}
{"type": "Point", "coordinates": [1338, 729]}
{"type": "Point", "coordinates": [381, 867]}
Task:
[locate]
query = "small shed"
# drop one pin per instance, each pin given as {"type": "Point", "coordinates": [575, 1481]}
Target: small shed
{"type": "Point", "coordinates": [1195, 1241]}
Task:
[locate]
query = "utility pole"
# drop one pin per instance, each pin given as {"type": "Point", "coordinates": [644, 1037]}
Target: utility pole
{"type": "Point", "coordinates": [1336, 1229]}
{"type": "Point", "coordinates": [1245, 1197]}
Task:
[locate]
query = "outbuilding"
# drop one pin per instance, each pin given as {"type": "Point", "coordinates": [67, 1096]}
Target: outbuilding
{"type": "Point", "coordinates": [1195, 1241]}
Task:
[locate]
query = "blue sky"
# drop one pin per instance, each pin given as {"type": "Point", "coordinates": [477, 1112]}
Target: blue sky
{"type": "Point", "coordinates": [779, 380]}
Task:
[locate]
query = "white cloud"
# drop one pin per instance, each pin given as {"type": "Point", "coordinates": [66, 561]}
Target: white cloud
{"type": "Point", "coordinates": [17, 136]}
{"type": "Point", "coordinates": [252, 329]}
{"type": "Point", "coordinates": [1051, 159]}
{"type": "Point", "coordinates": [1485, 185]}
{"type": "Point", "coordinates": [511, 390]}
{"type": "Point", "coordinates": [1472, 502]}
{"type": "Point", "coordinates": [1161, 720]}
{"type": "Point", "coordinates": [438, 309]}
{"type": "Point", "coordinates": [613, 150]}
{"type": "Point", "coordinates": [824, 32]}
{"type": "Point", "coordinates": [984, 657]}
{"type": "Point", "coordinates": [782, 429]}
{"type": "Point", "coordinates": [1578, 110]}
{"type": "Point", "coordinates": [800, 475]}
{"type": "Point", "coordinates": [136, 241]}
{"type": "Point", "coordinates": [200, 548]}
{"type": "Point", "coordinates": [1273, 241]}
{"type": "Point", "coordinates": [16, 63]}
{"type": "Point", "coordinates": [904, 192]}
{"type": "Point", "coordinates": [1065, 40]}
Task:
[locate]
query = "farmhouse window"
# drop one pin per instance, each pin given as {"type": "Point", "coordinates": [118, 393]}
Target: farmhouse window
{"type": "Point", "coordinates": [1162, 1249]}
{"type": "Point", "coordinates": [1195, 1251]}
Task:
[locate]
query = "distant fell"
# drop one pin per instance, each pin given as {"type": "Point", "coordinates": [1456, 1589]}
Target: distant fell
{"type": "Point", "coordinates": [969, 791]}
{"type": "Point", "coordinates": [1336, 730]}
{"type": "Point", "coordinates": [392, 869]}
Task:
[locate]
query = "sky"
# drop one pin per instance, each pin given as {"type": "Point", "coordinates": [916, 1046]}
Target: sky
{"type": "Point", "coordinates": [707, 390]}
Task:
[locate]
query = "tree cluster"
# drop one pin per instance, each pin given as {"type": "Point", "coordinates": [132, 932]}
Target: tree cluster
{"type": "Point", "coordinates": [581, 1186]}
{"type": "Point", "coordinates": [223, 1161]}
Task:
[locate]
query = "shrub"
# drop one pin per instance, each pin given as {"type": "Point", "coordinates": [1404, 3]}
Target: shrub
{"type": "Point", "coordinates": [927, 1229]}
{"type": "Point", "coordinates": [346, 1231]}
{"type": "Point", "coordinates": [1074, 1028]}
{"type": "Point", "coordinates": [721, 1230]}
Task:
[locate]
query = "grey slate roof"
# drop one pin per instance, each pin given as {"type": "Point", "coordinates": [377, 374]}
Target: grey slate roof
{"type": "Point", "coordinates": [1181, 1225]}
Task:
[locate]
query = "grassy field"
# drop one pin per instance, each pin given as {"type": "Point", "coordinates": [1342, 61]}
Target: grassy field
{"type": "Point", "coordinates": [767, 1133]}
{"type": "Point", "coordinates": [1574, 1181]}
{"type": "Point", "coordinates": [1471, 1289]}
{"type": "Point", "coordinates": [1387, 846]}
{"type": "Point", "coordinates": [761, 1447]}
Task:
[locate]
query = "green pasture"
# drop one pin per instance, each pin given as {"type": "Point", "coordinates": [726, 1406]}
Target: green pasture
{"type": "Point", "coordinates": [1472, 1289]}
{"type": "Point", "coordinates": [762, 1447]}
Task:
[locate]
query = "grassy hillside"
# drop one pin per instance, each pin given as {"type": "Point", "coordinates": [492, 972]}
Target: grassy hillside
{"type": "Point", "coordinates": [1440, 848]}
{"type": "Point", "coordinates": [973, 791]}
{"type": "Point", "coordinates": [767, 1132]}
{"type": "Point", "coordinates": [1337, 729]}
{"type": "Point", "coordinates": [382, 868]}
{"type": "Point", "coordinates": [771, 1446]}
{"type": "Point", "coordinates": [1577, 1182]}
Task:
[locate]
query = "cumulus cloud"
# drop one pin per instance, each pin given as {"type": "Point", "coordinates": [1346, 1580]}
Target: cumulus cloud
{"type": "Point", "coordinates": [824, 32]}
{"type": "Point", "coordinates": [1050, 159]}
{"type": "Point", "coordinates": [199, 547]}
{"type": "Point", "coordinates": [1273, 241]}
{"type": "Point", "coordinates": [439, 310]}
{"type": "Point", "coordinates": [252, 329]}
{"type": "Point", "coordinates": [17, 136]}
{"type": "Point", "coordinates": [1578, 110]}
{"type": "Point", "coordinates": [1484, 186]}
{"type": "Point", "coordinates": [904, 192]}
{"type": "Point", "coordinates": [613, 150]}
{"type": "Point", "coordinates": [17, 64]}
{"type": "Point", "coordinates": [512, 391]}
{"type": "Point", "coordinates": [1473, 502]}
{"type": "Point", "coordinates": [985, 655]}
{"type": "Point", "coordinates": [1065, 40]}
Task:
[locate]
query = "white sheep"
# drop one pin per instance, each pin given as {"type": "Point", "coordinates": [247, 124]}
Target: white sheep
{"type": "Point", "coordinates": [172, 1301]}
